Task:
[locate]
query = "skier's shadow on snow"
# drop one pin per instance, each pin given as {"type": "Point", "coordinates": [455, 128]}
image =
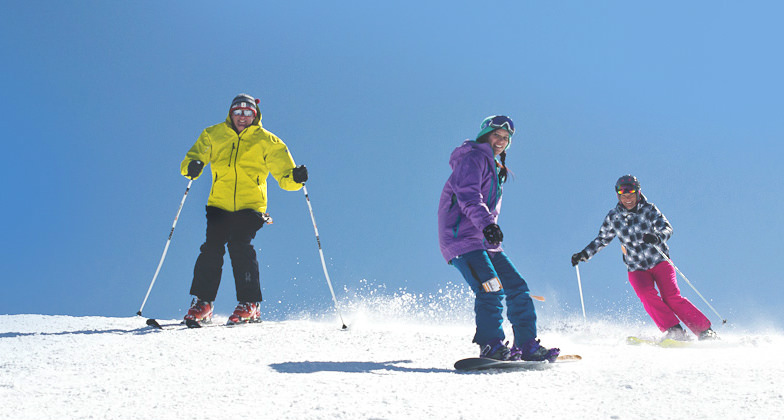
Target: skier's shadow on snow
{"type": "Point", "coordinates": [351, 367]}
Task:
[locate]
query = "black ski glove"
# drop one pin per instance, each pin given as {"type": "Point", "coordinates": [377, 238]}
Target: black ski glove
{"type": "Point", "coordinates": [580, 256]}
{"type": "Point", "coordinates": [493, 234]}
{"type": "Point", "coordinates": [650, 238]}
{"type": "Point", "coordinates": [194, 169]}
{"type": "Point", "coordinates": [299, 174]}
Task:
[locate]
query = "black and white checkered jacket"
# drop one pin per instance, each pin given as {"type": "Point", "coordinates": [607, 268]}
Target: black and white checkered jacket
{"type": "Point", "coordinates": [629, 226]}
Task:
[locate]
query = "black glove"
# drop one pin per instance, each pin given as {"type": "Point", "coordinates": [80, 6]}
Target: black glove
{"type": "Point", "coordinates": [299, 174]}
{"type": "Point", "coordinates": [194, 169]}
{"type": "Point", "coordinates": [650, 238]}
{"type": "Point", "coordinates": [580, 256]}
{"type": "Point", "coordinates": [493, 234]}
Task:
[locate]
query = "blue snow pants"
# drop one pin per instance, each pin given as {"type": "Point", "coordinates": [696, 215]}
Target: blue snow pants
{"type": "Point", "coordinates": [477, 267]}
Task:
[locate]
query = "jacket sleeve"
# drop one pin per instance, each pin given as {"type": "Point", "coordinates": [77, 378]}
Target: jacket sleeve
{"type": "Point", "coordinates": [200, 151]}
{"type": "Point", "coordinates": [661, 225]}
{"type": "Point", "coordinates": [280, 164]}
{"type": "Point", "coordinates": [606, 235]}
{"type": "Point", "coordinates": [467, 187]}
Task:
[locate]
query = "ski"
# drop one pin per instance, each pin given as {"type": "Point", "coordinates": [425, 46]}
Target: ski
{"type": "Point", "coordinates": [152, 322]}
{"type": "Point", "coordinates": [666, 343]}
{"type": "Point", "coordinates": [189, 324]}
{"type": "Point", "coordinates": [195, 324]}
{"type": "Point", "coordinates": [478, 363]}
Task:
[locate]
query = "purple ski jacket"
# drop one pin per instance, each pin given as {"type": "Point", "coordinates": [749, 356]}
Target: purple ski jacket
{"type": "Point", "coordinates": [470, 200]}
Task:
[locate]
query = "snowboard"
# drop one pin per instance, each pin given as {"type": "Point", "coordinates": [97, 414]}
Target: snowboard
{"type": "Point", "coordinates": [666, 343]}
{"type": "Point", "coordinates": [478, 363]}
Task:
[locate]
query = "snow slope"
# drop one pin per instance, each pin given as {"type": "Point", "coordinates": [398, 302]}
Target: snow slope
{"type": "Point", "coordinates": [61, 367]}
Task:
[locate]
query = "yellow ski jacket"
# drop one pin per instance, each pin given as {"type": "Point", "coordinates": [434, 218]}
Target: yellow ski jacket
{"type": "Point", "coordinates": [240, 164]}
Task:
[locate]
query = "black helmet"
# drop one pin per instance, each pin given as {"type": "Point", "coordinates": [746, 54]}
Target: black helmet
{"type": "Point", "coordinates": [627, 183]}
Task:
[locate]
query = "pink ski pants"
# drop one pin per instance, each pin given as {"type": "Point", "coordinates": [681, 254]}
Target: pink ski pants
{"type": "Point", "coordinates": [670, 308]}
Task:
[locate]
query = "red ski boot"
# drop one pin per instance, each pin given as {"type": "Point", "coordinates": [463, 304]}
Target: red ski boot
{"type": "Point", "coordinates": [245, 312]}
{"type": "Point", "coordinates": [200, 311]}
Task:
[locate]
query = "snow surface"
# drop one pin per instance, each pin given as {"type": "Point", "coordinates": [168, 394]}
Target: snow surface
{"type": "Point", "coordinates": [62, 367]}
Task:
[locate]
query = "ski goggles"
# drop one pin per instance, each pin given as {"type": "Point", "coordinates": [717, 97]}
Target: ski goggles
{"type": "Point", "coordinates": [243, 108]}
{"type": "Point", "coordinates": [247, 112]}
{"type": "Point", "coordinates": [626, 189]}
{"type": "Point", "coordinates": [499, 121]}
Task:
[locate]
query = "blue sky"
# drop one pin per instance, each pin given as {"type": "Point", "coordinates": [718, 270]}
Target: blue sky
{"type": "Point", "coordinates": [101, 100]}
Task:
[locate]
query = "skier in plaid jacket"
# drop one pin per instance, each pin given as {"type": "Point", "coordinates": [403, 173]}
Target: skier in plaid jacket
{"type": "Point", "coordinates": [642, 228]}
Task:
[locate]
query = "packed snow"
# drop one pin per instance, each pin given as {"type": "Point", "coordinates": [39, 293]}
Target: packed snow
{"type": "Point", "coordinates": [381, 367]}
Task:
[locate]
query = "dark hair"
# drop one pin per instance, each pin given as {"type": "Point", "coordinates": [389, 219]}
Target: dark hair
{"type": "Point", "coordinates": [503, 172]}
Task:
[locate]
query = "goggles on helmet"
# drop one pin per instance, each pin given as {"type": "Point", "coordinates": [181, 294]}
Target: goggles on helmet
{"type": "Point", "coordinates": [499, 121]}
{"type": "Point", "coordinates": [626, 189]}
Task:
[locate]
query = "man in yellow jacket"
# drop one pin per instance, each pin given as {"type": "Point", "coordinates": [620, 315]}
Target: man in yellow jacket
{"type": "Point", "coordinates": [241, 155]}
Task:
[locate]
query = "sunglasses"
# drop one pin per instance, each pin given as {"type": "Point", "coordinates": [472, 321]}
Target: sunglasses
{"type": "Point", "coordinates": [499, 121]}
{"type": "Point", "coordinates": [626, 190]}
{"type": "Point", "coordinates": [244, 112]}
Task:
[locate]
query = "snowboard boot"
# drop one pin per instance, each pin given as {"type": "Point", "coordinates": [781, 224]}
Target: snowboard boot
{"type": "Point", "coordinates": [200, 311]}
{"type": "Point", "coordinates": [676, 332]}
{"type": "Point", "coordinates": [708, 335]}
{"type": "Point", "coordinates": [532, 351]}
{"type": "Point", "coordinates": [245, 312]}
{"type": "Point", "coordinates": [495, 350]}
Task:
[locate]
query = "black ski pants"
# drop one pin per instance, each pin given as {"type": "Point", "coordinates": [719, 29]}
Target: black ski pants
{"type": "Point", "coordinates": [236, 229]}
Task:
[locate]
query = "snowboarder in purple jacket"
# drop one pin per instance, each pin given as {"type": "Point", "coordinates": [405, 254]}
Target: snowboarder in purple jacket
{"type": "Point", "coordinates": [470, 240]}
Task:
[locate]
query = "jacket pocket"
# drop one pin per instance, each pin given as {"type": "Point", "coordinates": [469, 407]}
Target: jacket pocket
{"type": "Point", "coordinates": [214, 183]}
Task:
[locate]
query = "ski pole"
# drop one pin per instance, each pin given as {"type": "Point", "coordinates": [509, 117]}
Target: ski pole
{"type": "Point", "coordinates": [166, 248]}
{"type": "Point", "coordinates": [580, 287]}
{"type": "Point", "coordinates": [723, 321]}
{"type": "Point", "coordinates": [321, 253]}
